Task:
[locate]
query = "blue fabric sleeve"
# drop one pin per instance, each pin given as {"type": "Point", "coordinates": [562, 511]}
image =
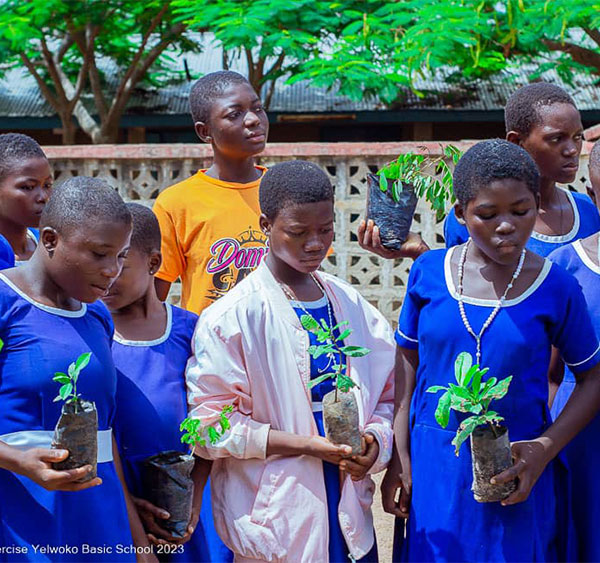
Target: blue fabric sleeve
{"type": "Point", "coordinates": [574, 333]}
{"type": "Point", "coordinates": [406, 334]}
{"type": "Point", "coordinates": [7, 254]}
{"type": "Point", "coordinates": [454, 232]}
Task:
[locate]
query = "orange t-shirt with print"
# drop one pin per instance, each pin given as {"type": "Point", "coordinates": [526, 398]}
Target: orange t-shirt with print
{"type": "Point", "coordinates": [211, 238]}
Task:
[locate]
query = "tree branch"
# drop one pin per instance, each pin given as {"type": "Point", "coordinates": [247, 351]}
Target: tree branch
{"type": "Point", "coordinates": [52, 69]}
{"type": "Point", "coordinates": [50, 98]}
{"type": "Point", "coordinates": [277, 64]}
{"type": "Point", "coordinates": [64, 47]}
{"type": "Point", "coordinates": [579, 54]}
{"type": "Point", "coordinates": [594, 34]}
{"type": "Point", "coordinates": [88, 55]}
{"type": "Point", "coordinates": [251, 68]}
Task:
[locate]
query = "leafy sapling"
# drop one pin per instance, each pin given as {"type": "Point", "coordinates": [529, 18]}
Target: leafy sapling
{"type": "Point", "coordinates": [194, 431]}
{"type": "Point", "coordinates": [470, 395]}
{"type": "Point", "coordinates": [333, 346]}
{"type": "Point", "coordinates": [68, 381]}
{"type": "Point", "coordinates": [413, 169]}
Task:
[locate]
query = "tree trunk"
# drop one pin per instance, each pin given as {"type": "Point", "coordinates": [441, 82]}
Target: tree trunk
{"type": "Point", "coordinates": [68, 130]}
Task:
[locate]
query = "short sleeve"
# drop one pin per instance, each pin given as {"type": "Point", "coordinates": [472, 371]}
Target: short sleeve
{"type": "Point", "coordinates": [103, 314]}
{"type": "Point", "coordinates": [408, 324]}
{"type": "Point", "coordinates": [454, 232]}
{"type": "Point", "coordinates": [574, 333]}
{"type": "Point", "coordinates": [7, 255]}
{"type": "Point", "coordinates": [173, 259]}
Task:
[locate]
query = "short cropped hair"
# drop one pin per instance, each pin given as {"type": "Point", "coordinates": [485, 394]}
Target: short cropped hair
{"type": "Point", "coordinates": [145, 235]}
{"type": "Point", "coordinates": [17, 148]}
{"type": "Point", "coordinates": [521, 113]}
{"type": "Point", "coordinates": [595, 156]}
{"type": "Point", "coordinates": [81, 200]}
{"type": "Point", "coordinates": [290, 183]}
{"type": "Point", "coordinates": [210, 87]}
{"type": "Point", "coordinates": [495, 159]}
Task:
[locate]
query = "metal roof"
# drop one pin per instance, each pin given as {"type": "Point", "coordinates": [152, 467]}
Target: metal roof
{"type": "Point", "coordinates": [20, 97]}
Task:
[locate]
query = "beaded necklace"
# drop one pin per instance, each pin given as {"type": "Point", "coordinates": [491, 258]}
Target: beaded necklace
{"type": "Point", "coordinates": [292, 297]}
{"type": "Point", "coordinates": [499, 304]}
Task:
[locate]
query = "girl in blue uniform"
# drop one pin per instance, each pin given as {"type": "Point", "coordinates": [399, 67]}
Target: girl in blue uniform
{"type": "Point", "coordinates": [151, 348]}
{"type": "Point", "coordinates": [48, 317]}
{"type": "Point", "coordinates": [507, 307]}
{"type": "Point", "coordinates": [25, 186]}
{"type": "Point", "coordinates": [582, 260]}
{"type": "Point", "coordinates": [542, 118]}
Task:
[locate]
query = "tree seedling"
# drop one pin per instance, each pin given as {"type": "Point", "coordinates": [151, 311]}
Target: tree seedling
{"type": "Point", "coordinates": [410, 169]}
{"type": "Point", "coordinates": [332, 346]}
{"type": "Point", "coordinates": [194, 431]}
{"type": "Point", "coordinates": [68, 390]}
{"type": "Point", "coordinates": [470, 395]}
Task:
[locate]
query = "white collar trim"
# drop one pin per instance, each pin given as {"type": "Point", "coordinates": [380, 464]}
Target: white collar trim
{"type": "Point", "coordinates": [49, 309]}
{"type": "Point", "coordinates": [585, 258]}
{"type": "Point", "coordinates": [118, 338]}
{"type": "Point", "coordinates": [568, 237]}
{"type": "Point", "coordinates": [492, 302]}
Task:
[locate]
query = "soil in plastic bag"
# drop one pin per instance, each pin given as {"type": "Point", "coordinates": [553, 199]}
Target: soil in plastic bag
{"type": "Point", "coordinates": [490, 456]}
{"type": "Point", "coordinates": [168, 484]}
{"type": "Point", "coordinates": [393, 219]}
{"type": "Point", "coordinates": [341, 420]}
{"type": "Point", "coordinates": [77, 431]}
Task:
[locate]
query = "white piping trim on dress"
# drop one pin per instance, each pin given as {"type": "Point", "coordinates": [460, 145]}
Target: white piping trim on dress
{"type": "Point", "coordinates": [584, 257]}
{"type": "Point", "coordinates": [568, 237]}
{"type": "Point", "coordinates": [583, 361]}
{"type": "Point", "coordinates": [118, 338]}
{"type": "Point", "coordinates": [416, 341]}
{"type": "Point", "coordinates": [493, 302]}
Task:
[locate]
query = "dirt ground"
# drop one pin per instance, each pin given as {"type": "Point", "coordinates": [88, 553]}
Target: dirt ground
{"type": "Point", "coordinates": [384, 525]}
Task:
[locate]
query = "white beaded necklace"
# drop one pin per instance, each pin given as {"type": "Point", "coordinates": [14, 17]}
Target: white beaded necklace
{"type": "Point", "coordinates": [292, 297]}
{"type": "Point", "coordinates": [499, 304]}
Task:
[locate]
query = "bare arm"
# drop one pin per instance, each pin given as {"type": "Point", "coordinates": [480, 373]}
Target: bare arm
{"type": "Point", "coordinates": [162, 288]}
{"type": "Point", "coordinates": [556, 373]}
{"type": "Point", "coordinates": [286, 443]}
{"type": "Point", "coordinates": [399, 476]}
{"type": "Point", "coordinates": [370, 239]}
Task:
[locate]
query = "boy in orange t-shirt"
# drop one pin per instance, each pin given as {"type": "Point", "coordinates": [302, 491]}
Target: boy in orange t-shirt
{"type": "Point", "coordinates": [209, 223]}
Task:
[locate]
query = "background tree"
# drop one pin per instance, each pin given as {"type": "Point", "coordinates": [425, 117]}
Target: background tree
{"type": "Point", "coordinates": [105, 48]}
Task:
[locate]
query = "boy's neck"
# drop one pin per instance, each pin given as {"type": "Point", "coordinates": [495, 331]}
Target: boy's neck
{"type": "Point", "coordinates": [16, 235]}
{"type": "Point", "coordinates": [226, 169]}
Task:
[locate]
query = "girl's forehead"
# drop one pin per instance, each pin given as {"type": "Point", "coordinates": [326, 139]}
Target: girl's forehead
{"type": "Point", "coordinates": [502, 190]}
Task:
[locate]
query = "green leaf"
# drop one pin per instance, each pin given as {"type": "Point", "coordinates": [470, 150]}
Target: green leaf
{"type": "Point", "coordinates": [460, 391]}
{"type": "Point", "coordinates": [309, 323]}
{"type": "Point", "coordinates": [65, 391]}
{"type": "Point", "coordinates": [442, 412]}
{"type": "Point", "coordinates": [83, 361]}
{"type": "Point", "coordinates": [464, 431]}
{"type": "Point", "coordinates": [499, 390]}
{"type": "Point", "coordinates": [436, 388]}
{"type": "Point", "coordinates": [345, 383]}
{"type": "Point", "coordinates": [476, 385]}
{"type": "Point", "coordinates": [318, 351]}
{"type": "Point", "coordinates": [213, 435]}
{"type": "Point", "coordinates": [383, 183]}
{"type": "Point", "coordinates": [462, 365]}
{"type": "Point", "coordinates": [469, 375]}
{"type": "Point", "coordinates": [61, 377]}
{"type": "Point", "coordinates": [344, 335]}
{"type": "Point", "coordinates": [1, 344]}
{"type": "Point", "coordinates": [317, 380]}
{"type": "Point", "coordinates": [355, 351]}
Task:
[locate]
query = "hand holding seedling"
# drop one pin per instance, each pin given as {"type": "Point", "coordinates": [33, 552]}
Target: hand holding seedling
{"type": "Point", "coordinates": [321, 447]}
{"type": "Point", "coordinates": [529, 462]}
{"type": "Point", "coordinates": [151, 515]}
{"type": "Point", "coordinates": [359, 465]}
{"type": "Point", "coordinates": [36, 463]}
{"type": "Point", "coordinates": [370, 239]}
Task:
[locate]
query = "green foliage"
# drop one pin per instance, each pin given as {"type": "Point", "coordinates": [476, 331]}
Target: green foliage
{"type": "Point", "coordinates": [68, 381]}
{"type": "Point", "coordinates": [332, 345]}
{"type": "Point", "coordinates": [194, 431]}
{"type": "Point", "coordinates": [469, 395]}
{"type": "Point", "coordinates": [430, 177]}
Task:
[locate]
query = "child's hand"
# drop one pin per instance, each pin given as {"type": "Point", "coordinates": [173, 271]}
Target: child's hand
{"type": "Point", "coordinates": [151, 515]}
{"type": "Point", "coordinates": [327, 451]}
{"type": "Point", "coordinates": [398, 477]}
{"type": "Point", "coordinates": [358, 465]}
{"type": "Point", "coordinates": [36, 463]}
{"type": "Point", "coordinates": [369, 239]}
{"type": "Point", "coordinates": [529, 461]}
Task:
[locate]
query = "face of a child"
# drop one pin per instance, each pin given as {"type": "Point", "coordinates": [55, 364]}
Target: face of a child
{"type": "Point", "coordinates": [500, 219]}
{"type": "Point", "coordinates": [132, 284]}
{"type": "Point", "coordinates": [25, 191]}
{"type": "Point", "coordinates": [555, 143]}
{"type": "Point", "coordinates": [85, 261]}
{"type": "Point", "coordinates": [238, 125]}
{"type": "Point", "coordinates": [301, 235]}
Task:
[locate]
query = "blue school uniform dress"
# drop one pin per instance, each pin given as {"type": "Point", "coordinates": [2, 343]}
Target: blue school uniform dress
{"type": "Point", "coordinates": [151, 403]}
{"type": "Point", "coordinates": [446, 523]}
{"type": "Point", "coordinates": [582, 452]}
{"type": "Point", "coordinates": [38, 341]}
{"type": "Point", "coordinates": [586, 222]}
{"type": "Point", "coordinates": [338, 551]}
{"type": "Point", "coordinates": [7, 254]}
